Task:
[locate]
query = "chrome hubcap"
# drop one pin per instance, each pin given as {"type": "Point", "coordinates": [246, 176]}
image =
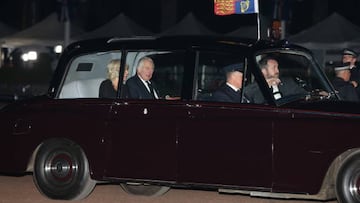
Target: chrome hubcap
{"type": "Point", "coordinates": [61, 168]}
{"type": "Point", "coordinates": [355, 186]}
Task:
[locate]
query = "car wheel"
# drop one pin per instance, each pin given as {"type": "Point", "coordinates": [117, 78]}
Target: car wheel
{"type": "Point", "coordinates": [61, 171]}
{"type": "Point", "coordinates": [145, 190]}
{"type": "Point", "coordinates": [348, 181]}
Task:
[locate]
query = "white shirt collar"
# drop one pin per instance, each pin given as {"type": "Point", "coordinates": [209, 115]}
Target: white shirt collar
{"type": "Point", "coordinates": [232, 87]}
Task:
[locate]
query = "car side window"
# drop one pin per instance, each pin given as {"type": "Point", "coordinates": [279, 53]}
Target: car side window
{"type": "Point", "coordinates": [287, 77]}
{"type": "Point", "coordinates": [165, 78]}
{"type": "Point", "coordinates": [212, 71]}
{"type": "Point", "coordinates": [86, 73]}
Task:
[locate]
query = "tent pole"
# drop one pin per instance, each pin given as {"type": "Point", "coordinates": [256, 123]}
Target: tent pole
{"type": "Point", "coordinates": [67, 33]}
{"type": "Point", "coordinates": [258, 25]}
{"type": "Point", "coordinates": [66, 19]}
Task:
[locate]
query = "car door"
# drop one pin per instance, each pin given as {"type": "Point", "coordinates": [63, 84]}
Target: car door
{"type": "Point", "coordinates": [305, 138]}
{"type": "Point", "coordinates": [228, 144]}
{"type": "Point", "coordinates": [305, 144]}
{"type": "Point", "coordinates": [80, 114]}
{"type": "Point", "coordinates": [144, 132]}
{"type": "Point", "coordinates": [143, 143]}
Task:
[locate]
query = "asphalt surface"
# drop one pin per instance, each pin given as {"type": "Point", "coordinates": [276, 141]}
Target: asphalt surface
{"type": "Point", "coordinates": [22, 189]}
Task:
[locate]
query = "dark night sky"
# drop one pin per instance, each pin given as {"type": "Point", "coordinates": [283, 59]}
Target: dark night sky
{"type": "Point", "coordinates": [93, 13]}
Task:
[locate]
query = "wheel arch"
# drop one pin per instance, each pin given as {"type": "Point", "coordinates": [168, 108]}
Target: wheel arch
{"type": "Point", "coordinates": [327, 190]}
{"type": "Point", "coordinates": [31, 162]}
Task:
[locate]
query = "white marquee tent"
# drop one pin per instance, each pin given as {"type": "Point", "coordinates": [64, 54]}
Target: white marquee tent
{"type": "Point", "coordinates": [328, 37]}
{"type": "Point", "coordinates": [48, 32]}
{"type": "Point", "coordinates": [120, 26]}
{"type": "Point", "coordinates": [189, 25]}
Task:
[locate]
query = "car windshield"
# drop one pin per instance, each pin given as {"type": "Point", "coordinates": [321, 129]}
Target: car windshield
{"type": "Point", "coordinates": [289, 76]}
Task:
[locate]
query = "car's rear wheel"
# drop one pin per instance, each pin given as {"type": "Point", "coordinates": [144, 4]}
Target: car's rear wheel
{"type": "Point", "coordinates": [348, 180]}
{"type": "Point", "coordinates": [61, 171]}
{"type": "Point", "coordinates": [144, 189]}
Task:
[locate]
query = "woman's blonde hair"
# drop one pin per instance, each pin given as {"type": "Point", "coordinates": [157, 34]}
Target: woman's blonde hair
{"type": "Point", "coordinates": [113, 69]}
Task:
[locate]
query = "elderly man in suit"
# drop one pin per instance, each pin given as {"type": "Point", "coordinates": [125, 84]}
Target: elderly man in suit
{"type": "Point", "coordinates": [140, 85]}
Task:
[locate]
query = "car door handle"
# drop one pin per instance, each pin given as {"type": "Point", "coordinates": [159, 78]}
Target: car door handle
{"type": "Point", "coordinates": [286, 114]}
{"type": "Point", "coordinates": [21, 127]}
{"type": "Point", "coordinates": [121, 103]}
{"type": "Point", "coordinates": [193, 105]}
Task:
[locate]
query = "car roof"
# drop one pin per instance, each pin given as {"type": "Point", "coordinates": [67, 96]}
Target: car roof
{"type": "Point", "coordinates": [169, 42]}
{"type": "Point", "coordinates": [180, 42]}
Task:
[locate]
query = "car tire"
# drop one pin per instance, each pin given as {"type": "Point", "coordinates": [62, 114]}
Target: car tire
{"type": "Point", "coordinates": [61, 171]}
{"type": "Point", "coordinates": [145, 190]}
{"type": "Point", "coordinates": [348, 180]}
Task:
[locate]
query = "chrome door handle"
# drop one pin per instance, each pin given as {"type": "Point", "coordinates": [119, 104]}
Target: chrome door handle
{"type": "Point", "coordinates": [121, 103]}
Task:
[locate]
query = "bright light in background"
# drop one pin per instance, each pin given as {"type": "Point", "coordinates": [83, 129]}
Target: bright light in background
{"type": "Point", "coordinates": [25, 57]}
{"type": "Point", "coordinates": [58, 49]}
{"type": "Point", "coordinates": [29, 56]}
{"type": "Point", "coordinates": [32, 55]}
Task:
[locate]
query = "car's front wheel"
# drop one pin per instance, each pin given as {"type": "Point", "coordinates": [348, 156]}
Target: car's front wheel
{"type": "Point", "coordinates": [348, 180]}
{"type": "Point", "coordinates": [61, 171]}
{"type": "Point", "coordinates": [144, 189]}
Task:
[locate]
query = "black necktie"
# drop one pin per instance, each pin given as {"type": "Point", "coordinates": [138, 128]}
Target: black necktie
{"type": "Point", "coordinates": [151, 89]}
{"type": "Point", "coordinates": [238, 95]}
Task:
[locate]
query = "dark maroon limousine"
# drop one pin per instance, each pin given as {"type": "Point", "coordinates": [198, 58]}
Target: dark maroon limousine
{"type": "Point", "coordinates": [285, 134]}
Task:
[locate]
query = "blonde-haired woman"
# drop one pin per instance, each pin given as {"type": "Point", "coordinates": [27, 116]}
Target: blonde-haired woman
{"type": "Point", "coordinates": [109, 87]}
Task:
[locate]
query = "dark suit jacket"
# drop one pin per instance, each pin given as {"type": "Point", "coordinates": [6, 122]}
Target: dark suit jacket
{"type": "Point", "coordinates": [137, 89]}
{"type": "Point", "coordinates": [287, 87]}
{"type": "Point", "coordinates": [226, 94]}
{"type": "Point", "coordinates": [107, 90]}
{"type": "Point", "coordinates": [346, 90]}
{"type": "Point", "coordinates": [355, 76]}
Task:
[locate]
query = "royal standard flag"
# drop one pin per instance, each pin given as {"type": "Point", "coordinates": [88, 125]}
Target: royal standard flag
{"type": "Point", "coordinates": [228, 7]}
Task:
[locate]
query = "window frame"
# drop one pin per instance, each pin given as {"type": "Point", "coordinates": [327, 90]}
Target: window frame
{"type": "Point", "coordinates": [197, 67]}
{"type": "Point", "coordinates": [312, 61]}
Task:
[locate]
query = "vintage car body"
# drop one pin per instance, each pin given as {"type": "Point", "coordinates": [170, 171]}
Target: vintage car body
{"type": "Point", "coordinates": [303, 146]}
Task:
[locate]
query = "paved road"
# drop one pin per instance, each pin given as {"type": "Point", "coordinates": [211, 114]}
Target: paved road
{"type": "Point", "coordinates": [23, 190]}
